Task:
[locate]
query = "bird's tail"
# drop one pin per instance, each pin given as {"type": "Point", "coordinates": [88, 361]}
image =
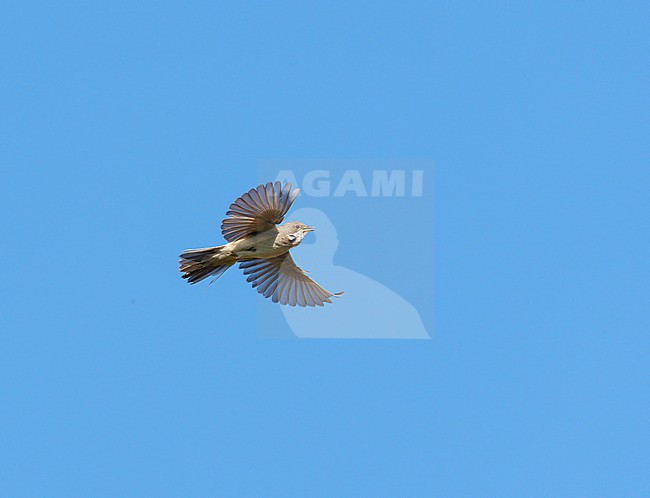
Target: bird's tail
{"type": "Point", "coordinates": [198, 264]}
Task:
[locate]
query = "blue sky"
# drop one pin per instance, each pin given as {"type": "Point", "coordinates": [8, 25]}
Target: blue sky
{"type": "Point", "coordinates": [127, 129]}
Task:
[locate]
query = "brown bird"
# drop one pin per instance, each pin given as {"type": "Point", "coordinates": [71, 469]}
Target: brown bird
{"type": "Point", "coordinates": [261, 248]}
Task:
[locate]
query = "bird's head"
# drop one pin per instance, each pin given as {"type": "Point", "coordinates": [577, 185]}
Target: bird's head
{"type": "Point", "coordinates": [295, 231]}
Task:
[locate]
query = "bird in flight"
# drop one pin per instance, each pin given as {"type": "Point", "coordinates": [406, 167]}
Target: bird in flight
{"type": "Point", "coordinates": [261, 248]}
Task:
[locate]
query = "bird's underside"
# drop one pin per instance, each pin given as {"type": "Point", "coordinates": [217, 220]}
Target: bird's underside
{"type": "Point", "coordinates": [265, 244]}
{"type": "Point", "coordinates": [261, 248]}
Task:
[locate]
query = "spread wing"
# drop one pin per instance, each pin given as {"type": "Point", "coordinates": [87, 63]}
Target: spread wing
{"type": "Point", "coordinates": [284, 282]}
{"type": "Point", "coordinates": [258, 210]}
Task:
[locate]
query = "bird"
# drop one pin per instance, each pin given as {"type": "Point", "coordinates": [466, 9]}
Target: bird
{"type": "Point", "coordinates": [260, 245]}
